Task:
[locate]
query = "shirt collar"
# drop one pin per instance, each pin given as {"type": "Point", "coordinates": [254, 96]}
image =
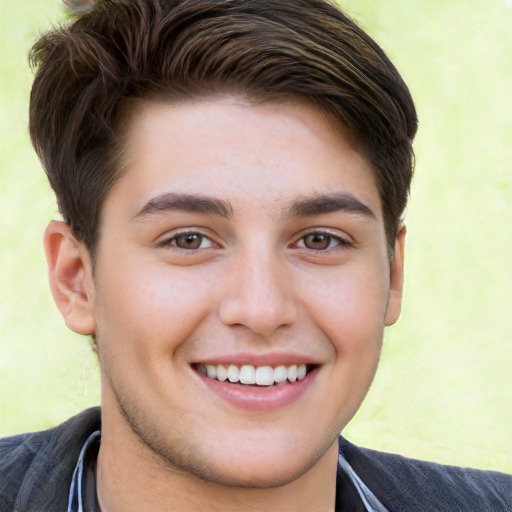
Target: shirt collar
{"type": "Point", "coordinates": [82, 492]}
{"type": "Point", "coordinates": [82, 487]}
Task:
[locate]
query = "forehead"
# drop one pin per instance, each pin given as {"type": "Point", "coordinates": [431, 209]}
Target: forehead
{"type": "Point", "coordinates": [244, 153]}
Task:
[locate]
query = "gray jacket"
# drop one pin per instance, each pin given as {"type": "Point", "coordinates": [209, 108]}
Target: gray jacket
{"type": "Point", "coordinates": [36, 471]}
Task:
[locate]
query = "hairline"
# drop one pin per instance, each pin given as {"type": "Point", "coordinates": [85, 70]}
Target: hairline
{"type": "Point", "coordinates": [129, 107]}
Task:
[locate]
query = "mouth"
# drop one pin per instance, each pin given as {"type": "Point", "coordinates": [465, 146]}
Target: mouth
{"type": "Point", "coordinates": [255, 376]}
{"type": "Point", "coordinates": [258, 387]}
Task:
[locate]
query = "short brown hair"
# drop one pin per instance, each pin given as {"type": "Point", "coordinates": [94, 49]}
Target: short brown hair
{"type": "Point", "coordinates": [89, 71]}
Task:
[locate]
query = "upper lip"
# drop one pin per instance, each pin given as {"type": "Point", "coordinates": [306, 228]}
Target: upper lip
{"type": "Point", "coordinates": [255, 359]}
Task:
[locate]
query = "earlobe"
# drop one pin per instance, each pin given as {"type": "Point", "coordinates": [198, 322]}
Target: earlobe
{"type": "Point", "coordinates": [396, 280]}
{"type": "Point", "coordinates": [70, 275]}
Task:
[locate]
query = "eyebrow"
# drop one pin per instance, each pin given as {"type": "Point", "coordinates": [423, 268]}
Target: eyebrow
{"type": "Point", "coordinates": [303, 207]}
{"type": "Point", "coordinates": [193, 203]}
{"type": "Point", "coordinates": [328, 203]}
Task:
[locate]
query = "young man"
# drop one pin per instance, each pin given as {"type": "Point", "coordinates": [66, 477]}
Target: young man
{"type": "Point", "coordinates": [232, 176]}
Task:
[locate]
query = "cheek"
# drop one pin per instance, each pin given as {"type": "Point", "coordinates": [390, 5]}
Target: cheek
{"type": "Point", "coordinates": [349, 305]}
{"type": "Point", "coordinates": [150, 308]}
{"type": "Point", "coordinates": [352, 297]}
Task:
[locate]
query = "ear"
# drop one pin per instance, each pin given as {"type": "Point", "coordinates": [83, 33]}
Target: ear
{"type": "Point", "coordinates": [70, 275]}
{"type": "Point", "coordinates": [396, 280]}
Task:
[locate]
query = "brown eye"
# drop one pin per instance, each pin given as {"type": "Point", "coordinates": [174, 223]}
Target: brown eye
{"type": "Point", "coordinates": [189, 241]}
{"type": "Point", "coordinates": [317, 241]}
{"type": "Point", "coordinates": [320, 241]}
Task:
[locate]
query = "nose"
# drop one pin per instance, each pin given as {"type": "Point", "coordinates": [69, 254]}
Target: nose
{"type": "Point", "coordinates": [260, 296]}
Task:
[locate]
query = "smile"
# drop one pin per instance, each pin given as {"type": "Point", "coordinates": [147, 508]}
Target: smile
{"type": "Point", "coordinates": [259, 387]}
{"type": "Point", "coordinates": [254, 375]}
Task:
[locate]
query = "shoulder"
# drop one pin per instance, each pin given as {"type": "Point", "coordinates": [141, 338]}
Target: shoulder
{"type": "Point", "coordinates": [36, 468]}
{"type": "Point", "coordinates": [403, 484]}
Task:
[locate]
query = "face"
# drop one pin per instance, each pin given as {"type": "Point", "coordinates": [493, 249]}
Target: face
{"type": "Point", "coordinates": [241, 242]}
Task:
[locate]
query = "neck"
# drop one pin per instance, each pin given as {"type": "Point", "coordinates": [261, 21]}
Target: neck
{"type": "Point", "coordinates": [130, 478]}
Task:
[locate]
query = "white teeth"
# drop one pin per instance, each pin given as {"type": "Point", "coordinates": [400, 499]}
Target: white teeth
{"type": "Point", "coordinates": [264, 376]}
{"type": "Point", "coordinates": [280, 374]}
{"type": "Point", "coordinates": [211, 371]}
{"type": "Point", "coordinates": [250, 375]}
{"type": "Point", "coordinates": [233, 373]}
{"type": "Point", "coordinates": [222, 373]}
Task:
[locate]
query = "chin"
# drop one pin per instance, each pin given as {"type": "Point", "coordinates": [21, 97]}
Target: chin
{"type": "Point", "coordinates": [264, 464]}
{"type": "Point", "coordinates": [254, 474]}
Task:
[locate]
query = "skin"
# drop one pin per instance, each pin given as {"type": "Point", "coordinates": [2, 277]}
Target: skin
{"type": "Point", "coordinates": [250, 283]}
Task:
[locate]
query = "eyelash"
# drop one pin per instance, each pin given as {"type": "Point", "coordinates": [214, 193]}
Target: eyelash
{"type": "Point", "coordinates": [340, 242]}
{"type": "Point", "coordinates": [166, 242]}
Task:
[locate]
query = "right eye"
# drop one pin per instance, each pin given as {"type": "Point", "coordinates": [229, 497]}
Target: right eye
{"type": "Point", "coordinates": [319, 241]}
{"type": "Point", "coordinates": [190, 241]}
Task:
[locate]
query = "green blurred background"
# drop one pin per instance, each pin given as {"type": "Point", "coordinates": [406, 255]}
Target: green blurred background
{"type": "Point", "coordinates": [444, 388]}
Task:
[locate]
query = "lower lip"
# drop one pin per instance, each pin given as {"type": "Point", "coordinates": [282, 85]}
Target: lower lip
{"type": "Point", "coordinates": [259, 398]}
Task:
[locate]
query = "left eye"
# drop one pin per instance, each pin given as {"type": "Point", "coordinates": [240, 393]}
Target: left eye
{"type": "Point", "coordinates": [188, 241]}
{"type": "Point", "coordinates": [319, 241]}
